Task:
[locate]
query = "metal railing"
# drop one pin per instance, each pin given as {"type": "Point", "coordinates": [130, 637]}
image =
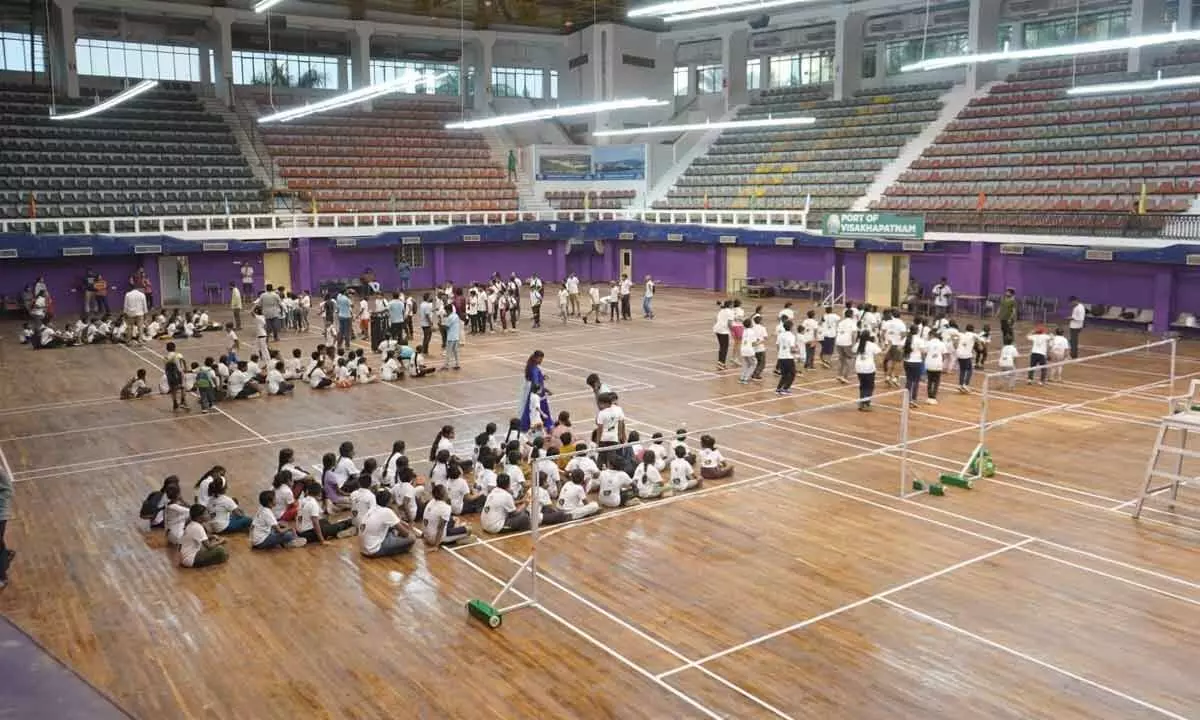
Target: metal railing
{"type": "Point", "coordinates": [259, 226]}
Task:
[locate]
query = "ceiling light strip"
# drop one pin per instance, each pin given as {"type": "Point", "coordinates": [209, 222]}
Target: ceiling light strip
{"type": "Point", "coordinates": [705, 126]}
{"type": "Point", "coordinates": [1160, 83]}
{"type": "Point", "coordinates": [1097, 46]}
{"type": "Point", "coordinates": [265, 5]}
{"type": "Point", "coordinates": [115, 100]}
{"type": "Point", "coordinates": [556, 112]}
{"type": "Point", "coordinates": [407, 82]}
{"type": "Point", "coordinates": [728, 9]}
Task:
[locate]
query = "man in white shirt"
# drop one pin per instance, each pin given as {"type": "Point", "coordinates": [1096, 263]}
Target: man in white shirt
{"type": "Point", "coordinates": [893, 331]}
{"type": "Point", "coordinates": [648, 299]}
{"type": "Point", "coordinates": [135, 311]}
{"type": "Point", "coordinates": [382, 532]}
{"type": "Point", "coordinates": [847, 333]}
{"type": "Point", "coordinates": [1078, 313]}
{"type": "Point", "coordinates": [235, 304]}
{"type": "Point", "coordinates": [626, 289]}
{"type": "Point", "coordinates": [610, 423]}
{"type": "Point", "coordinates": [572, 294]}
{"type": "Point", "coordinates": [501, 512]}
{"type": "Point", "coordinates": [941, 297]}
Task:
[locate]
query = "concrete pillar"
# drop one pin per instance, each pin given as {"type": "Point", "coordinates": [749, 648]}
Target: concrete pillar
{"type": "Point", "coordinates": [1017, 37]}
{"type": "Point", "coordinates": [881, 67]}
{"type": "Point", "coordinates": [693, 80]}
{"type": "Point", "coordinates": [1164, 294]}
{"type": "Point", "coordinates": [360, 52]}
{"type": "Point", "coordinates": [221, 31]}
{"type": "Point", "coordinates": [1183, 20]}
{"type": "Point", "coordinates": [204, 57]}
{"type": "Point", "coordinates": [343, 74]}
{"type": "Point", "coordinates": [735, 46]}
{"type": "Point", "coordinates": [847, 55]}
{"type": "Point", "coordinates": [764, 72]}
{"type": "Point", "coordinates": [61, 49]}
{"type": "Point", "coordinates": [983, 27]}
{"type": "Point", "coordinates": [483, 73]}
{"type": "Point", "coordinates": [1146, 17]}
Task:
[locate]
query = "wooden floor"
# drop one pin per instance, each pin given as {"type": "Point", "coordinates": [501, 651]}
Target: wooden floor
{"type": "Point", "coordinates": [803, 587]}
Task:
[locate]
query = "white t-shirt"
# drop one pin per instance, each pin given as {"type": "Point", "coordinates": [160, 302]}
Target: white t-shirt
{"type": "Point", "coordinates": [175, 516]}
{"type": "Point", "coordinates": [711, 459]}
{"type": "Point", "coordinates": [724, 318]}
{"type": "Point", "coordinates": [485, 481]}
{"type": "Point", "coordinates": [747, 346]}
{"type": "Point", "coordinates": [202, 490]}
{"type": "Point", "coordinates": [1041, 343]}
{"type": "Point", "coordinates": [1059, 345]}
{"type": "Point", "coordinates": [283, 498]}
{"type": "Point", "coordinates": [586, 464]}
{"type": "Point", "coordinates": [361, 502]}
{"type": "Point", "coordinates": [808, 330]}
{"type": "Point", "coordinates": [344, 469]}
{"type": "Point", "coordinates": [1008, 357]}
{"type": "Point", "coordinates": [260, 527]}
{"type": "Point", "coordinates": [374, 528]}
{"type": "Point", "coordinates": [1078, 313]}
{"type": "Point", "coordinates": [894, 331]}
{"type": "Point", "coordinates": [917, 350]}
{"type": "Point", "coordinates": [237, 382]}
{"type": "Point", "coordinates": [496, 509]}
{"type": "Point", "coordinates": [309, 514]}
{"type": "Point", "coordinates": [864, 362]}
{"type": "Point", "coordinates": [274, 379]}
{"type": "Point", "coordinates": [681, 473]}
{"type": "Point", "coordinates": [758, 335]}
{"type": "Point", "coordinates": [221, 507]}
{"type": "Point", "coordinates": [786, 342]}
{"type": "Point", "coordinates": [941, 295]}
{"type": "Point", "coordinates": [609, 419]}
{"type": "Point", "coordinates": [646, 477]}
{"type": "Point", "coordinates": [315, 377]}
{"type": "Point", "coordinates": [573, 496]}
{"type": "Point", "coordinates": [406, 497]}
{"type": "Point", "coordinates": [611, 484]}
{"type": "Point", "coordinates": [649, 289]}
{"type": "Point", "coordinates": [935, 359]}
{"type": "Point", "coordinates": [437, 516]}
{"type": "Point", "coordinates": [194, 536]}
{"type": "Point", "coordinates": [457, 489]}
{"type": "Point", "coordinates": [846, 328]}
{"type": "Point", "coordinates": [965, 348]}
{"type": "Point", "coordinates": [829, 325]}
{"type": "Point", "coordinates": [626, 286]}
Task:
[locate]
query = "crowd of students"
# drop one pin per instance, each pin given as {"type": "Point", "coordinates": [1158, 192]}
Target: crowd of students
{"type": "Point", "coordinates": [508, 479]}
{"type": "Point", "coordinates": [855, 340]}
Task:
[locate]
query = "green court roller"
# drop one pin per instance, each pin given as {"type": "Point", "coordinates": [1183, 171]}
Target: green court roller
{"type": "Point", "coordinates": [937, 489]}
{"type": "Point", "coordinates": [956, 480]}
{"type": "Point", "coordinates": [484, 613]}
{"type": "Point", "coordinates": [918, 485]}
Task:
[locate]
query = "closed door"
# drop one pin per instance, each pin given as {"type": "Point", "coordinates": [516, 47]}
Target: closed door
{"type": "Point", "coordinates": [277, 269]}
{"type": "Point", "coordinates": [736, 268]}
{"type": "Point", "coordinates": [887, 277]}
{"type": "Point", "coordinates": [627, 262]}
{"type": "Point", "coordinates": [174, 281]}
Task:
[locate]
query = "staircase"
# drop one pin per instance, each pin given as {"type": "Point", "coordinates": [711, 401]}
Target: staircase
{"type": "Point", "coordinates": [700, 141]}
{"type": "Point", "coordinates": [953, 102]}
{"type": "Point", "coordinates": [241, 123]}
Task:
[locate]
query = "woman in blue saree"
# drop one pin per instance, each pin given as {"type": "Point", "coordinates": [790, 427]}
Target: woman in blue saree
{"type": "Point", "coordinates": [534, 396]}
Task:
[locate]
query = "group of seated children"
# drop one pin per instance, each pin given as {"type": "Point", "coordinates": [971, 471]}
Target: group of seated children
{"type": "Point", "coordinates": [382, 503]}
{"type": "Point", "coordinates": [104, 329]}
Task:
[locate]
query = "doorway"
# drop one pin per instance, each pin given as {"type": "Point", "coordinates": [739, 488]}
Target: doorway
{"type": "Point", "coordinates": [887, 278]}
{"type": "Point", "coordinates": [277, 269]}
{"type": "Point", "coordinates": [626, 263]}
{"type": "Point", "coordinates": [175, 280]}
{"type": "Point", "coordinates": [736, 269]}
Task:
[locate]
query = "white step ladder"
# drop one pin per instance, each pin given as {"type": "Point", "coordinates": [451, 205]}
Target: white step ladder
{"type": "Point", "coordinates": [1159, 481]}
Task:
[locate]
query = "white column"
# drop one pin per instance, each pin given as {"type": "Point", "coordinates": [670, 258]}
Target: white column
{"type": "Point", "coordinates": [880, 61]}
{"type": "Point", "coordinates": [1017, 37]}
{"type": "Point", "coordinates": [61, 49]}
{"type": "Point", "coordinates": [847, 55]}
{"type": "Point", "coordinates": [983, 25]}
{"type": "Point", "coordinates": [735, 45]}
{"type": "Point", "coordinates": [360, 52]}
{"type": "Point", "coordinates": [764, 71]}
{"type": "Point", "coordinates": [221, 31]}
{"type": "Point", "coordinates": [693, 81]}
{"type": "Point", "coordinates": [1145, 18]}
{"type": "Point", "coordinates": [1183, 21]}
{"type": "Point", "coordinates": [343, 74]}
{"type": "Point", "coordinates": [483, 73]}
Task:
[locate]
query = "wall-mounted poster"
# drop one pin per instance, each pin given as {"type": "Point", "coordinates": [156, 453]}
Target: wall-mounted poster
{"type": "Point", "coordinates": [619, 162]}
{"type": "Point", "coordinates": [564, 164]}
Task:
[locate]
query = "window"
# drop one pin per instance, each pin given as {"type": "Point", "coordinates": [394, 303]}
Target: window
{"type": "Point", "coordinates": [1061, 31]}
{"type": "Point", "coordinates": [811, 68]}
{"type": "Point", "coordinates": [553, 84]}
{"type": "Point", "coordinates": [414, 255]}
{"type": "Point", "coordinates": [114, 58]}
{"type": "Point", "coordinates": [754, 74]}
{"type": "Point", "coordinates": [682, 81]}
{"type": "Point", "coordinates": [517, 82]}
{"type": "Point", "coordinates": [903, 52]}
{"type": "Point", "coordinates": [710, 79]}
{"type": "Point", "coordinates": [15, 51]}
{"type": "Point", "coordinates": [436, 78]}
{"type": "Point", "coordinates": [286, 70]}
{"type": "Point", "coordinates": [868, 62]}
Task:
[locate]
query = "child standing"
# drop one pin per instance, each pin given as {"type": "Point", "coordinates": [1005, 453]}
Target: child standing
{"type": "Point", "coordinates": [786, 344]}
{"type": "Point", "coordinates": [935, 359]}
{"type": "Point", "coordinates": [864, 367]}
{"type": "Point", "coordinates": [1040, 347]}
{"type": "Point", "coordinates": [1059, 347]}
{"type": "Point", "coordinates": [1007, 364]}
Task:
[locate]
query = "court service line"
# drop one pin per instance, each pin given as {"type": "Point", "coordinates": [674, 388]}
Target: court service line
{"type": "Point", "coordinates": [597, 643]}
{"type": "Point", "coordinates": [1098, 413]}
{"type": "Point", "coordinates": [847, 607]}
{"type": "Point", "coordinates": [621, 622]}
{"type": "Point", "coordinates": [241, 424]}
{"type": "Point", "coordinates": [1030, 658]}
{"type": "Point", "coordinates": [76, 431]}
{"type": "Point", "coordinates": [59, 405]}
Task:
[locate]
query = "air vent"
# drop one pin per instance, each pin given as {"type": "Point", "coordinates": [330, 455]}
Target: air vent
{"type": "Point", "coordinates": [278, 245]}
{"type": "Point", "coordinates": [1102, 255]}
{"type": "Point", "coordinates": [913, 246]}
{"type": "Point", "coordinates": [8, 253]}
{"type": "Point", "coordinates": [216, 247]}
{"type": "Point", "coordinates": [471, 238]}
{"type": "Point", "coordinates": [1012, 249]}
{"type": "Point", "coordinates": [785, 241]}
{"type": "Point", "coordinates": [530, 236]}
{"type": "Point", "coordinates": [674, 237]}
{"type": "Point", "coordinates": [146, 250]}
{"type": "Point", "coordinates": [843, 244]}
{"type": "Point", "coordinates": [410, 240]}
{"type": "Point", "coordinates": [77, 251]}
{"type": "Point", "coordinates": [728, 239]}
{"type": "Point", "coordinates": [626, 236]}
{"type": "Point", "coordinates": [346, 242]}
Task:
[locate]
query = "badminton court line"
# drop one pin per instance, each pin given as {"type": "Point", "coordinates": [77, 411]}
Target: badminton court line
{"type": "Point", "coordinates": [1029, 658]}
{"type": "Point", "coordinates": [848, 606]}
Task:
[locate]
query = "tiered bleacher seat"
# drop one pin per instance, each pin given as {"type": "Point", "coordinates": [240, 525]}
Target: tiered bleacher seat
{"type": "Point", "coordinates": [1030, 157]}
{"type": "Point", "coordinates": [595, 200]}
{"type": "Point", "coordinates": [833, 160]}
{"type": "Point", "coordinates": [159, 154]}
{"type": "Point", "coordinates": [398, 157]}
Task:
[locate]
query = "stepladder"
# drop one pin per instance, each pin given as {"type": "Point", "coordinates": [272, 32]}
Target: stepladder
{"type": "Point", "coordinates": [1174, 465]}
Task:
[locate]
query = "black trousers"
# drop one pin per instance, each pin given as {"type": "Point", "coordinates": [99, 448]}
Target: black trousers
{"type": "Point", "coordinates": [933, 381]}
{"type": "Point", "coordinates": [1073, 339]}
{"type": "Point", "coordinates": [722, 347]}
{"type": "Point", "coordinates": [397, 330]}
{"type": "Point", "coordinates": [866, 388]}
{"type": "Point", "coordinates": [626, 313]}
{"type": "Point", "coordinates": [1006, 331]}
{"type": "Point", "coordinates": [328, 530]}
{"type": "Point", "coordinates": [787, 373]}
{"type": "Point", "coordinates": [4, 559]}
{"type": "Point", "coordinates": [760, 363]}
{"type": "Point", "coordinates": [426, 336]}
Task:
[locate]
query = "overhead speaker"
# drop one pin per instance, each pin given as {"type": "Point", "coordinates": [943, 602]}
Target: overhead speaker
{"type": "Point", "coordinates": [758, 22]}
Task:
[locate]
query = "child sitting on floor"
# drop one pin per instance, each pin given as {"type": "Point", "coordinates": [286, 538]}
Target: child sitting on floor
{"type": "Point", "coordinates": [136, 387]}
{"type": "Point", "coordinates": [682, 475]}
{"type": "Point", "coordinates": [712, 463]}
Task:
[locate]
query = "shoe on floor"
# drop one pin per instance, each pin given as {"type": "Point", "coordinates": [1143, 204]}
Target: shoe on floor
{"type": "Point", "coordinates": [931, 401]}
{"type": "Point", "coordinates": [297, 543]}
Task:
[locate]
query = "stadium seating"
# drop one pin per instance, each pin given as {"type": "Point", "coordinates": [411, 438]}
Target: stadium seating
{"type": "Point", "coordinates": [833, 161]}
{"type": "Point", "coordinates": [1027, 156]}
{"type": "Point", "coordinates": [159, 154]}
{"type": "Point", "coordinates": [396, 158]}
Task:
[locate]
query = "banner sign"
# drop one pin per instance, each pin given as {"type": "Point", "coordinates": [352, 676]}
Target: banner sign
{"type": "Point", "coordinates": [607, 162]}
{"type": "Point", "coordinates": [875, 225]}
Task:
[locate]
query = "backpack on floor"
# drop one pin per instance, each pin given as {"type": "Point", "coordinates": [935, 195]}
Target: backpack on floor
{"type": "Point", "coordinates": [150, 506]}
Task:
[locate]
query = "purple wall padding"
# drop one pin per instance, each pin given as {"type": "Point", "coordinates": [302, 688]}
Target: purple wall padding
{"type": "Point", "coordinates": [856, 275]}
{"type": "Point", "coordinates": [928, 268]}
{"type": "Point", "coordinates": [476, 263]}
{"type": "Point", "coordinates": [790, 263]}
{"type": "Point", "coordinates": [689, 266]}
{"type": "Point", "coordinates": [64, 277]}
{"type": "Point", "coordinates": [221, 268]}
{"type": "Point", "coordinates": [589, 265]}
{"type": "Point", "coordinates": [1127, 285]}
{"type": "Point", "coordinates": [1187, 291]}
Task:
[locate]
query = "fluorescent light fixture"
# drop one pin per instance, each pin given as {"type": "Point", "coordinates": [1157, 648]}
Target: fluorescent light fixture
{"type": "Point", "coordinates": [115, 100]}
{"type": "Point", "coordinates": [408, 81]}
{"type": "Point", "coordinates": [1159, 83]}
{"type": "Point", "coordinates": [265, 5]}
{"type": "Point", "coordinates": [556, 112]}
{"type": "Point", "coordinates": [712, 10]}
{"type": "Point", "coordinates": [1097, 46]}
{"type": "Point", "coordinates": [676, 7]}
{"type": "Point", "coordinates": [763, 122]}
